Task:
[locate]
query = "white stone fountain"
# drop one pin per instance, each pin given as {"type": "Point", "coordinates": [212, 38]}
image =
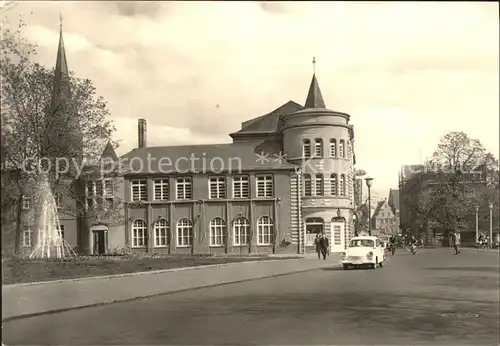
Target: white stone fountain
{"type": "Point", "coordinates": [50, 242]}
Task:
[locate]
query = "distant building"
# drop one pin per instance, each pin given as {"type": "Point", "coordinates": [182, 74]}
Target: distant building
{"type": "Point", "coordinates": [288, 175]}
{"type": "Point", "coordinates": [384, 219]}
{"type": "Point", "coordinates": [417, 179]}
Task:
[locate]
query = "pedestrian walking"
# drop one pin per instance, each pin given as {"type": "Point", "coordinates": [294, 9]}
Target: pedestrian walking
{"type": "Point", "coordinates": [318, 244]}
{"type": "Point", "coordinates": [325, 245]}
{"type": "Point", "coordinates": [455, 241]}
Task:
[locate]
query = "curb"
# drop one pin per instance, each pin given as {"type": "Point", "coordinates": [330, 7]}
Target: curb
{"type": "Point", "coordinates": [125, 300]}
{"type": "Point", "coordinates": [152, 272]}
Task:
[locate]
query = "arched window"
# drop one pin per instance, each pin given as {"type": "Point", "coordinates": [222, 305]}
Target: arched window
{"type": "Point", "coordinates": [318, 182]}
{"type": "Point", "coordinates": [161, 233]}
{"type": "Point", "coordinates": [139, 233]}
{"type": "Point", "coordinates": [241, 231]}
{"type": "Point", "coordinates": [333, 185]}
{"type": "Point", "coordinates": [318, 147]}
{"type": "Point", "coordinates": [342, 185]}
{"type": "Point", "coordinates": [342, 148]}
{"type": "Point", "coordinates": [333, 147]}
{"type": "Point", "coordinates": [307, 185]}
{"type": "Point", "coordinates": [306, 148]}
{"type": "Point", "coordinates": [265, 231]}
{"type": "Point", "coordinates": [217, 232]}
{"type": "Point", "coordinates": [184, 232]}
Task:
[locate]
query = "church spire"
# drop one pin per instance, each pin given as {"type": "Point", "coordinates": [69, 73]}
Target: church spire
{"type": "Point", "coordinates": [314, 97]}
{"type": "Point", "coordinates": [61, 71]}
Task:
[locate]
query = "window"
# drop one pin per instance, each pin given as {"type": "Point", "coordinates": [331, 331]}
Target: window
{"type": "Point", "coordinates": [26, 202]}
{"type": "Point", "coordinates": [241, 187]}
{"type": "Point", "coordinates": [319, 184]}
{"type": "Point", "coordinates": [108, 188]}
{"type": "Point", "coordinates": [217, 232]}
{"type": "Point", "coordinates": [161, 233]}
{"type": "Point", "coordinates": [265, 186]}
{"type": "Point", "coordinates": [342, 148]}
{"type": "Point", "coordinates": [58, 199]}
{"type": "Point", "coordinates": [99, 190]}
{"type": "Point", "coordinates": [183, 188]}
{"type": "Point", "coordinates": [184, 233]}
{"type": "Point", "coordinates": [139, 233]}
{"type": "Point", "coordinates": [90, 203]}
{"type": "Point", "coordinates": [27, 233]}
{"type": "Point", "coordinates": [265, 230]}
{"type": "Point", "coordinates": [342, 185]}
{"type": "Point", "coordinates": [60, 231]}
{"type": "Point", "coordinates": [160, 188]}
{"type": "Point", "coordinates": [306, 148]}
{"type": "Point", "coordinates": [333, 184]}
{"type": "Point", "coordinates": [307, 185]}
{"type": "Point", "coordinates": [90, 188]}
{"type": "Point", "coordinates": [217, 187]}
{"type": "Point", "coordinates": [318, 147]}
{"type": "Point", "coordinates": [139, 190]}
{"type": "Point", "coordinates": [108, 204]}
{"type": "Point", "coordinates": [241, 230]}
{"type": "Point", "coordinates": [333, 147]}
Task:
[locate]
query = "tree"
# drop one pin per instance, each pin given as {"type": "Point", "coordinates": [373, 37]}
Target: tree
{"type": "Point", "coordinates": [52, 125]}
{"type": "Point", "coordinates": [455, 181]}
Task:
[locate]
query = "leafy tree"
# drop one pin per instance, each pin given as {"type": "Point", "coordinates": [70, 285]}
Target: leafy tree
{"type": "Point", "coordinates": [454, 182]}
{"type": "Point", "coordinates": [56, 120]}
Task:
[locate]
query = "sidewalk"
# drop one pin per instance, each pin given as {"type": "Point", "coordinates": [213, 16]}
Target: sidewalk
{"type": "Point", "coordinates": [24, 299]}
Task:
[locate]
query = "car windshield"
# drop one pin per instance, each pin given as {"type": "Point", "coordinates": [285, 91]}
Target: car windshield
{"type": "Point", "coordinates": [362, 243]}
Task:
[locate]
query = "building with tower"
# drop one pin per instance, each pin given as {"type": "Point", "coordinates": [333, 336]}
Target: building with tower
{"type": "Point", "coordinates": [286, 176]}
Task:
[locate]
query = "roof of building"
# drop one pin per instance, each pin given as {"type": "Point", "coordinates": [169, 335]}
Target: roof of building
{"type": "Point", "coordinates": [394, 199]}
{"type": "Point", "coordinates": [314, 97]}
{"type": "Point", "coordinates": [268, 123]}
{"type": "Point", "coordinates": [109, 152]}
{"type": "Point", "coordinates": [380, 204]}
{"type": "Point", "coordinates": [209, 158]}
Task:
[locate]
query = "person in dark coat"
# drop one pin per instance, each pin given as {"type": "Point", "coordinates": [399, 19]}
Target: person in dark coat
{"type": "Point", "coordinates": [317, 244]}
{"type": "Point", "coordinates": [325, 244]}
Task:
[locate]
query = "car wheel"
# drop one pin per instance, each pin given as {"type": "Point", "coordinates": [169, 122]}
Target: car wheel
{"type": "Point", "coordinates": [375, 265]}
{"type": "Point", "coordinates": [381, 264]}
{"type": "Point", "coordinates": [346, 266]}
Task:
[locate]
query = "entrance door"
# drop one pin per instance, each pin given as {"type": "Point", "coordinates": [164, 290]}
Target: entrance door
{"type": "Point", "coordinates": [99, 242]}
{"type": "Point", "coordinates": [338, 237]}
{"type": "Point", "coordinates": [313, 227]}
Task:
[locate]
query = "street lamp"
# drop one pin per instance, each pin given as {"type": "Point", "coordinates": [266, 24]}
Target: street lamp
{"type": "Point", "coordinates": [369, 182]}
{"type": "Point", "coordinates": [477, 224]}
{"type": "Point", "coordinates": [491, 225]}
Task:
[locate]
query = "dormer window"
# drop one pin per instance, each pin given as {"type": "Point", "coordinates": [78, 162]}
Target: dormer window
{"type": "Point", "coordinates": [306, 148]}
{"type": "Point", "coordinates": [318, 147]}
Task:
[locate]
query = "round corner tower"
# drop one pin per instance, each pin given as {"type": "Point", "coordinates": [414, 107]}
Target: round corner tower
{"type": "Point", "coordinates": [321, 142]}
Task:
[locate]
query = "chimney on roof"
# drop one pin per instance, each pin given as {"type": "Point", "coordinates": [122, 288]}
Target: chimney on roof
{"type": "Point", "coordinates": [142, 127]}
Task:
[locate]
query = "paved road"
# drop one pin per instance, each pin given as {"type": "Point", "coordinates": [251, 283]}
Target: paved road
{"type": "Point", "coordinates": [400, 304]}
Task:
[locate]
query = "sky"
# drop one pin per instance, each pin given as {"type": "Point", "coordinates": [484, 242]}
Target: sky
{"type": "Point", "coordinates": [406, 72]}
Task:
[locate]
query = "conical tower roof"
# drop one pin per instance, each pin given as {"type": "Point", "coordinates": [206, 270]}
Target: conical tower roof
{"type": "Point", "coordinates": [109, 152]}
{"type": "Point", "coordinates": [314, 96]}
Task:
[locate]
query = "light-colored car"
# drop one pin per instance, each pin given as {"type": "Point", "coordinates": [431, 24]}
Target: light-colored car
{"type": "Point", "coordinates": [362, 251]}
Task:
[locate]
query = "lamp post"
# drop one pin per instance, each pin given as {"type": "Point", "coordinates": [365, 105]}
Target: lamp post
{"type": "Point", "coordinates": [491, 225]}
{"type": "Point", "coordinates": [369, 182]}
{"type": "Point", "coordinates": [477, 224]}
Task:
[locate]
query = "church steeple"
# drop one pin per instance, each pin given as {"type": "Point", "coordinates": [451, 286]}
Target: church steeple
{"type": "Point", "coordinates": [61, 72]}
